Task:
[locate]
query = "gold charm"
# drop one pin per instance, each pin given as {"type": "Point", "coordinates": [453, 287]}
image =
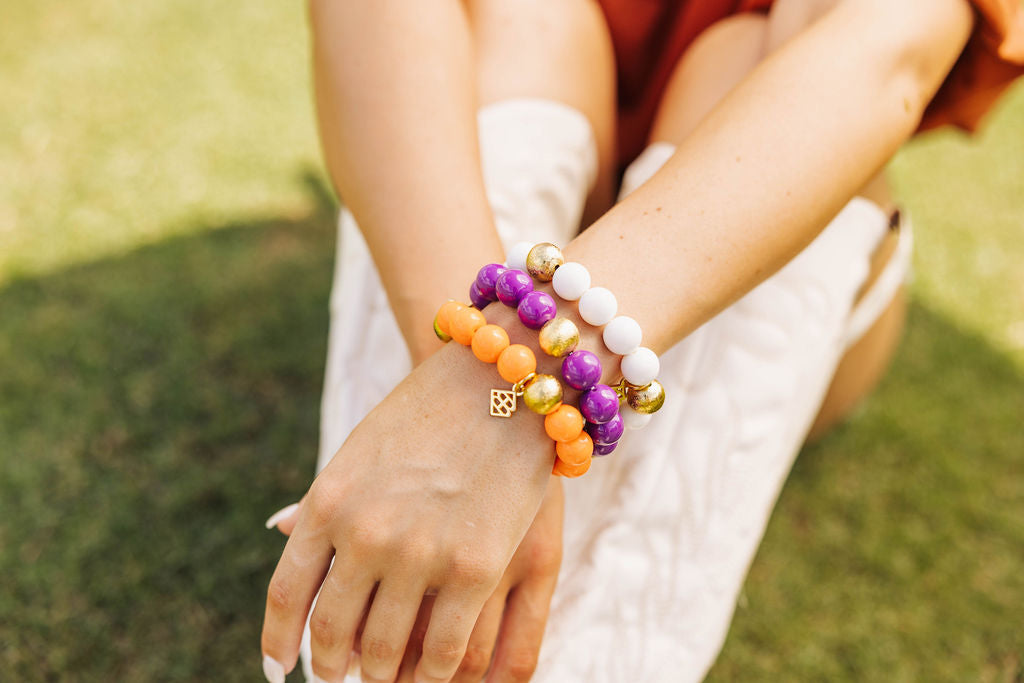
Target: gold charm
{"type": "Point", "coordinates": [503, 402]}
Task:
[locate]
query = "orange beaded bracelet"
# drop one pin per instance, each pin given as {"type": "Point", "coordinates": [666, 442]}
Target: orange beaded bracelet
{"type": "Point", "coordinates": [517, 365]}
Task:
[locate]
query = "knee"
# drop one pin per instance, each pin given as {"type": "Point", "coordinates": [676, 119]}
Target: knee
{"type": "Point", "coordinates": [718, 60]}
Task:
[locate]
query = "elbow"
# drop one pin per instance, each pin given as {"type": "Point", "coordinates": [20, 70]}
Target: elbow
{"type": "Point", "coordinates": [921, 41]}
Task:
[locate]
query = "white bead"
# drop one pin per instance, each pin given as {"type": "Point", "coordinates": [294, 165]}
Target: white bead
{"type": "Point", "coordinates": [516, 256]}
{"type": "Point", "coordinates": [622, 335]}
{"type": "Point", "coordinates": [571, 280]}
{"type": "Point", "coordinates": [640, 367]}
{"type": "Point", "coordinates": [597, 306]}
{"type": "Point", "coordinates": [634, 420]}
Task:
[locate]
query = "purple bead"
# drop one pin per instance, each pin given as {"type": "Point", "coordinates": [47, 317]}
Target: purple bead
{"type": "Point", "coordinates": [487, 277]}
{"type": "Point", "coordinates": [477, 297]}
{"type": "Point", "coordinates": [511, 286]}
{"type": "Point", "coordinates": [599, 404]}
{"type": "Point", "coordinates": [607, 433]}
{"type": "Point", "coordinates": [604, 449]}
{"type": "Point", "coordinates": [581, 370]}
{"type": "Point", "coordinates": [536, 308]}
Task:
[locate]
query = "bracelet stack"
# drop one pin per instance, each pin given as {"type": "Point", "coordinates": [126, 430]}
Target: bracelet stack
{"type": "Point", "coordinates": [517, 365]}
{"type": "Point", "coordinates": [622, 335]}
{"type": "Point", "coordinates": [595, 428]}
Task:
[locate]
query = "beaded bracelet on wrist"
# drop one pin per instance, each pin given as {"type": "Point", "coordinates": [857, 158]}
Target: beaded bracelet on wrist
{"type": "Point", "coordinates": [597, 306]}
{"type": "Point", "coordinates": [558, 337]}
{"type": "Point", "coordinates": [596, 427]}
{"type": "Point", "coordinates": [517, 365]}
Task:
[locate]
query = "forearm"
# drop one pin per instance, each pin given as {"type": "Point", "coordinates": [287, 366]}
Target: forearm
{"type": "Point", "coordinates": [397, 111]}
{"type": "Point", "coordinates": [770, 166]}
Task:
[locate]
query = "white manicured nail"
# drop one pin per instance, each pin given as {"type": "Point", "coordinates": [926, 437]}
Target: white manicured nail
{"type": "Point", "coordinates": [273, 670]}
{"type": "Point", "coordinates": [353, 664]}
{"type": "Point", "coordinates": [283, 513]}
{"type": "Point", "coordinates": [317, 679]}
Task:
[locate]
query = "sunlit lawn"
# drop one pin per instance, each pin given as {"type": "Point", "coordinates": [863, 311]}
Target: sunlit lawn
{"type": "Point", "coordinates": [166, 242]}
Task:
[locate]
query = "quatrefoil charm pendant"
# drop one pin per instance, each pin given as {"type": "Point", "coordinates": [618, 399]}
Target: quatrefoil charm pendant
{"type": "Point", "coordinates": [503, 402]}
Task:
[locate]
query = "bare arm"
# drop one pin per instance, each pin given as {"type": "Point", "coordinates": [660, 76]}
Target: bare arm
{"type": "Point", "coordinates": [767, 169]}
{"type": "Point", "coordinates": [397, 108]}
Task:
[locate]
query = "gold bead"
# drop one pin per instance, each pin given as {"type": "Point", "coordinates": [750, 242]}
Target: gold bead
{"type": "Point", "coordinates": [559, 336]}
{"type": "Point", "coordinates": [440, 334]}
{"type": "Point", "coordinates": [648, 399]}
{"type": "Point", "coordinates": [543, 394]}
{"type": "Point", "coordinates": [542, 261]}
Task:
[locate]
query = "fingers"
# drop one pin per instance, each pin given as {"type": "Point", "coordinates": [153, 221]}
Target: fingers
{"type": "Point", "coordinates": [332, 626]}
{"type": "Point", "coordinates": [481, 641]}
{"type": "Point", "coordinates": [451, 622]}
{"type": "Point", "coordinates": [387, 628]}
{"type": "Point", "coordinates": [298, 576]}
{"type": "Point", "coordinates": [522, 630]}
{"type": "Point", "coordinates": [414, 648]}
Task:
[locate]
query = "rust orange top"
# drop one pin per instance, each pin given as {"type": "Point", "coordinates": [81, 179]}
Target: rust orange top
{"type": "Point", "coordinates": [649, 37]}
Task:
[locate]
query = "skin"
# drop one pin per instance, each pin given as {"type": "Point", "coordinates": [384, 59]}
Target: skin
{"type": "Point", "coordinates": [416, 502]}
{"type": "Point", "coordinates": [518, 608]}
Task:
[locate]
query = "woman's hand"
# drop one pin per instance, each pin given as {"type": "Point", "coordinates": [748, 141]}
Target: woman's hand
{"type": "Point", "coordinates": [428, 494]}
{"type": "Point", "coordinates": [518, 608]}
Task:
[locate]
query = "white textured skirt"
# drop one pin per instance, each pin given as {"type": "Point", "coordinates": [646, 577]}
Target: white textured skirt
{"type": "Point", "coordinates": [659, 535]}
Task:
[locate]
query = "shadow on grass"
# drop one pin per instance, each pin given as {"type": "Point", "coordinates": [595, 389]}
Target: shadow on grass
{"type": "Point", "coordinates": [896, 551]}
{"type": "Point", "coordinates": [156, 407]}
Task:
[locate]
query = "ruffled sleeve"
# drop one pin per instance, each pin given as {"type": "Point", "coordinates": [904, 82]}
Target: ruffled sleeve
{"type": "Point", "coordinates": [1003, 27]}
{"type": "Point", "coordinates": [992, 60]}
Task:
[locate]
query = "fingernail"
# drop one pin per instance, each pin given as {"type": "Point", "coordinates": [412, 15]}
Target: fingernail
{"type": "Point", "coordinates": [353, 664]}
{"type": "Point", "coordinates": [273, 670]}
{"type": "Point", "coordinates": [283, 513]}
{"type": "Point", "coordinates": [317, 679]}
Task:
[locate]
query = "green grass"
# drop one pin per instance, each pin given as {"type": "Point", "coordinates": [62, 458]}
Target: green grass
{"type": "Point", "coordinates": [166, 242]}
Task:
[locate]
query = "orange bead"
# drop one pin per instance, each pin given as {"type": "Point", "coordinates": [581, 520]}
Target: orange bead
{"type": "Point", "coordinates": [464, 323]}
{"type": "Point", "coordinates": [445, 313]}
{"type": "Point", "coordinates": [576, 452]}
{"type": "Point", "coordinates": [571, 471]}
{"type": "Point", "coordinates": [564, 424]}
{"type": "Point", "coordinates": [488, 343]}
{"type": "Point", "coordinates": [516, 362]}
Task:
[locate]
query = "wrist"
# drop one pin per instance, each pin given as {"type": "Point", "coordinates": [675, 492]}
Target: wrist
{"type": "Point", "coordinates": [536, 365]}
{"type": "Point", "coordinates": [522, 432]}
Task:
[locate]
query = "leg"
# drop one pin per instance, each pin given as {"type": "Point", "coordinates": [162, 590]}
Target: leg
{"type": "Point", "coordinates": [714, 64]}
{"type": "Point", "coordinates": [558, 51]}
{"type": "Point", "coordinates": [866, 360]}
